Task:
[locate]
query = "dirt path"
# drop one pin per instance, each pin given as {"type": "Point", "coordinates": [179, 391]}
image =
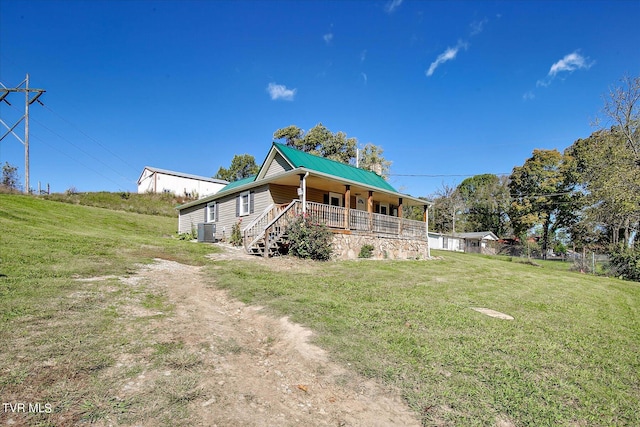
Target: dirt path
{"type": "Point", "coordinates": [262, 371]}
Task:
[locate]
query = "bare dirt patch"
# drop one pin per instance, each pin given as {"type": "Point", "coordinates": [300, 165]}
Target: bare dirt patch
{"type": "Point", "coordinates": [253, 369]}
{"type": "Point", "coordinates": [492, 313]}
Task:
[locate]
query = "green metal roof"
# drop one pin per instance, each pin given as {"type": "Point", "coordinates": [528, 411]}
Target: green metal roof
{"type": "Point", "coordinates": [300, 159]}
{"type": "Point", "coordinates": [237, 183]}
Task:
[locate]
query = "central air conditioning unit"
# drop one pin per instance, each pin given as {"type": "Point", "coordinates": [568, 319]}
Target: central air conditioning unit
{"type": "Point", "coordinates": [206, 232]}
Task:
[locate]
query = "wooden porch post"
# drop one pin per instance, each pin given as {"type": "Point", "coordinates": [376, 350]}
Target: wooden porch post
{"type": "Point", "coordinates": [347, 206]}
{"type": "Point", "coordinates": [370, 210]}
{"type": "Point", "coordinates": [400, 216]}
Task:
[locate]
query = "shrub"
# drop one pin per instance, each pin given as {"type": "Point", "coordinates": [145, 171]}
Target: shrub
{"type": "Point", "coordinates": [309, 240]}
{"type": "Point", "coordinates": [236, 234]}
{"type": "Point", "coordinates": [625, 263]}
{"type": "Point", "coordinates": [366, 251]}
{"type": "Point", "coordinates": [192, 235]}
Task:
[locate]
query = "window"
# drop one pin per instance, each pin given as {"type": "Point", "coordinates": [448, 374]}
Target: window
{"type": "Point", "coordinates": [384, 209]}
{"type": "Point", "coordinates": [212, 212]}
{"type": "Point", "coordinates": [335, 199]}
{"type": "Point", "coordinates": [244, 204]}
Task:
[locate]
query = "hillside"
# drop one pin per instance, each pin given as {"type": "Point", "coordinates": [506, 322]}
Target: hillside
{"type": "Point", "coordinates": [147, 203]}
{"type": "Point", "coordinates": [80, 320]}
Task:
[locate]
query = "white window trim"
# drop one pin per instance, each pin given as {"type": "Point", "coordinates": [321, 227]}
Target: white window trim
{"type": "Point", "coordinates": [244, 194]}
{"type": "Point", "coordinates": [386, 206]}
{"type": "Point", "coordinates": [211, 212]}
{"type": "Point", "coordinates": [337, 196]}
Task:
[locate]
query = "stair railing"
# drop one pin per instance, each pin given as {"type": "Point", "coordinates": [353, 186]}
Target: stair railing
{"type": "Point", "coordinates": [258, 228]}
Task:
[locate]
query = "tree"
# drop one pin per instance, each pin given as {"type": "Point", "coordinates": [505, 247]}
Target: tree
{"type": "Point", "coordinates": [447, 206]}
{"type": "Point", "coordinates": [371, 158]}
{"type": "Point", "coordinates": [623, 107]}
{"type": "Point", "coordinates": [293, 137]}
{"type": "Point", "coordinates": [485, 200]}
{"type": "Point", "coordinates": [242, 166]}
{"type": "Point", "coordinates": [542, 193]}
{"type": "Point", "coordinates": [607, 170]}
{"type": "Point", "coordinates": [320, 141]}
{"type": "Point", "coordinates": [10, 177]}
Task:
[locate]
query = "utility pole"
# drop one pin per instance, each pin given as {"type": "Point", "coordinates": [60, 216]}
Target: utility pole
{"type": "Point", "coordinates": [28, 100]}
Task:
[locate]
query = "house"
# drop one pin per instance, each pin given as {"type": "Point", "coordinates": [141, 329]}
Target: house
{"type": "Point", "coordinates": [446, 242]}
{"type": "Point", "coordinates": [155, 180]}
{"type": "Point", "coordinates": [484, 242]}
{"type": "Point", "coordinates": [359, 206]}
{"type": "Point", "coordinates": [481, 242]}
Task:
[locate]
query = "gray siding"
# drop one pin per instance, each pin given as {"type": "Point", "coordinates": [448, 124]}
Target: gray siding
{"type": "Point", "coordinates": [278, 165]}
{"type": "Point", "coordinates": [227, 210]}
{"type": "Point", "coordinates": [190, 218]}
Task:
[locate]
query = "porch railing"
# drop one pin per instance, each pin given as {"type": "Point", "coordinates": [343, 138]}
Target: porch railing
{"type": "Point", "coordinates": [336, 217]}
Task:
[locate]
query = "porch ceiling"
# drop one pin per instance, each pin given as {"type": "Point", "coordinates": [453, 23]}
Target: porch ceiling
{"type": "Point", "coordinates": [334, 186]}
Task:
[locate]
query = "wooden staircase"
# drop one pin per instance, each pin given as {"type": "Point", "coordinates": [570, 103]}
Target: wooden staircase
{"type": "Point", "coordinates": [265, 236]}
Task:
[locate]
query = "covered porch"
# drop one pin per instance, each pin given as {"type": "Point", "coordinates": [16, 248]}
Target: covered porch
{"type": "Point", "coordinates": [344, 219]}
{"type": "Point", "coordinates": [350, 207]}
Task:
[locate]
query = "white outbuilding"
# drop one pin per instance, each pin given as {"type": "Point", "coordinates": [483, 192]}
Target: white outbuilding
{"type": "Point", "coordinates": [155, 180]}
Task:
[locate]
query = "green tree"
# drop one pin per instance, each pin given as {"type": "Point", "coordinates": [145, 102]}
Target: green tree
{"type": "Point", "coordinates": [242, 166]}
{"type": "Point", "coordinates": [607, 170]}
{"type": "Point", "coordinates": [485, 200]}
{"type": "Point", "coordinates": [371, 158]}
{"type": "Point", "coordinates": [10, 177]}
{"type": "Point", "coordinates": [337, 146]}
{"type": "Point", "coordinates": [542, 193]}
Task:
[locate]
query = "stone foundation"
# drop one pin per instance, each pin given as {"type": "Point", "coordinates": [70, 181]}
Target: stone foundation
{"type": "Point", "coordinates": [347, 246]}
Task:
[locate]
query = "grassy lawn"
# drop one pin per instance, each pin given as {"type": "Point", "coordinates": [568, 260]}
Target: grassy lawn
{"type": "Point", "coordinates": [148, 203]}
{"type": "Point", "coordinates": [571, 356]}
{"type": "Point", "coordinates": [59, 337]}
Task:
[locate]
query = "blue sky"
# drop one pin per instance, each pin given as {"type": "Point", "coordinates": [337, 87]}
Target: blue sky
{"type": "Point", "coordinates": [446, 88]}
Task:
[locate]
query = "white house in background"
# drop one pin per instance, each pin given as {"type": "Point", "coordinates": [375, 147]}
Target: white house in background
{"type": "Point", "coordinates": [155, 180]}
{"type": "Point", "coordinates": [480, 242]}
{"type": "Point", "coordinates": [475, 242]}
{"type": "Point", "coordinates": [446, 242]}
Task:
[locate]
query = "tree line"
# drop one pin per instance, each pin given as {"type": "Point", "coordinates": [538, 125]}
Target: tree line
{"type": "Point", "coordinates": [587, 196]}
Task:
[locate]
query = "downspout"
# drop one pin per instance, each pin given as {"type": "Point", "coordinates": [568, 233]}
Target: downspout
{"type": "Point", "coordinates": [426, 222]}
{"type": "Point", "coordinates": [304, 192]}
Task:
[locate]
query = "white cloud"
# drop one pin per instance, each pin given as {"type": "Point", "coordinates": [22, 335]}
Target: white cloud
{"type": "Point", "coordinates": [392, 5]}
{"type": "Point", "coordinates": [277, 91]}
{"type": "Point", "coordinates": [445, 56]}
{"type": "Point", "coordinates": [364, 77]}
{"type": "Point", "coordinates": [363, 55]}
{"type": "Point", "coordinates": [543, 83]}
{"type": "Point", "coordinates": [477, 27]}
{"type": "Point", "coordinates": [571, 62]}
{"type": "Point", "coordinates": [328, 37]}
{"type": "Point", "coordinates": [529, 96]}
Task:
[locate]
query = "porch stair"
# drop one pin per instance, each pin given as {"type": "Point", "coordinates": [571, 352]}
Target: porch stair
{"type": "Point", "coordinates": [266, 235]}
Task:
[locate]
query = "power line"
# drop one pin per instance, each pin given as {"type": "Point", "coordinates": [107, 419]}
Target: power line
{"type": "Point", "coordinates": [76, 160]}
{"type": "Point", "coordinates": [448, 175]}
{"type": "Point", "coordinates": [83, 151]}
{"type": "Point", "coordinates": [89, 137]}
